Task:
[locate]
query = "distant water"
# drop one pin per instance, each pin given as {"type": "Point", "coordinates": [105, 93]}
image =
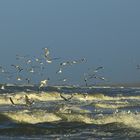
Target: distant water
{"type": "Point", "coordinates": [114, 113]}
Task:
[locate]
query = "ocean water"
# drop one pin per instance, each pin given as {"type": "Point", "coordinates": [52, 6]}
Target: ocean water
{"type": "Point", "coordinates": [84, 113]}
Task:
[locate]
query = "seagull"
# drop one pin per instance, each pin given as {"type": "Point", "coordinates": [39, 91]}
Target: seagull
{"type": "Point", "coordinates": [28, 61]}
{"type": "Point", "coordinates": [46, 55]}
{"type": "Point", "coordinates": [28, 101]}
{"type": "Point", "coordinates": [63, 63]}
{"type": "Point", "coordinates": [100, 67]}
{"type": "Point", "coordinates": [43, 83]}
{"type": "Point", "coordinates": [101, 78]}
{"type": "Point", "coordinates": [66, 99]}
{"type": "Point", "coordinates": [73, 62]}
{"type": "Point", "coordinates": [46, 51]}
{"type": "Point", "coordinates": [2, 87]}
{"type": "Point", "coordinates": [97, 69]}
{"type": "Point", "coordinates": [96, 77]}
{"type": "Point", "coordinates": [79, 61]}
{"type": "Point", "coordinates": [59, 71]}
{"type": "Point", "coordinates": [49, 60]}
{"type": "Point", "coordinates": [19, 79]}
{"type": "Point", "coordinates": [11, 101]}
{"type": "Point", "coordinates": [31, 70]}
{"type": "Point", "coordinates": [17, 67]}
{"type": "Point", "coordinates": [37, 60]}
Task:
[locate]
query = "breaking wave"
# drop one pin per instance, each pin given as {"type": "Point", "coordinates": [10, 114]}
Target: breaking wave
{"type": "Point", "coordinates": [69, 112]}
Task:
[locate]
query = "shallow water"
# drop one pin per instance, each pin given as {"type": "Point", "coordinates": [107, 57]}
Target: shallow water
{"type": "Point", "coordinates": [92, 113]}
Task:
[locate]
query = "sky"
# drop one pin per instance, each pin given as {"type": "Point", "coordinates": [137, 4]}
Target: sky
{"type": "Point", "coordinates": [105, 32]}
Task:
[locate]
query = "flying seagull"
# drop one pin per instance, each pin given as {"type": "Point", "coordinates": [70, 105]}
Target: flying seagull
{"type": "Point", "coordinates": [11, 100]}
{"type": "Point", "coordinates": [72, 62]}
{"type": "Point", "coordinates": [28, 101]}
{"type": "Point", "coordinates": [18, 68]}
{"type": "Point", "coordinates": [59, 71]}
{"type": "Point", "coordinates": [43, 83]}
{"type": "Point", "coordinates": [66, 99]}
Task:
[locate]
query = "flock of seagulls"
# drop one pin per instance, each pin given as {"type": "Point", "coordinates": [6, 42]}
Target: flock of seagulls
{"type": "Point", "coordinates": [28, 102]}
{"type": "Point", "coordinates": [28, 68]}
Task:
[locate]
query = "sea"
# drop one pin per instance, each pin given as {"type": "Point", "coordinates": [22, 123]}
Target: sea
{"type": "Point", "coordinates": [81, 113]}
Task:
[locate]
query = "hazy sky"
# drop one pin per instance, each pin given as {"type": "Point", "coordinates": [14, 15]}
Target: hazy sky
{"type": "Point", "coordinates": [105, 32]}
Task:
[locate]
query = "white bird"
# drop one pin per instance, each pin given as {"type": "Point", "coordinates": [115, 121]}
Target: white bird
{"type": "Point", "coordinates": [48, 60]}
{"type": "Point", "coordinates": [31, 70]}
{"type": "Point", "coordinates": [47, 52]}
{"type": "Point", "coordinates": [64, 80]}
{"type": "Point", "coordinates": [59, 71]}
{"type": "Point", "coordinates": [101, 78]}
{"type": "Point", "coordinates": [2, 87]}
{"type": "Point", "coordinates": [47, 57]}
{"type": "Point", "coordinates": [43, 83]}
{"type": "Point", "coordinates": [63, 63]}
{"type": "Point", "coordinates": [28, 61]}
{"type": "Point", "coordinates": [19, 79]}
{"type": "Point", "coordinates": [36, 59]}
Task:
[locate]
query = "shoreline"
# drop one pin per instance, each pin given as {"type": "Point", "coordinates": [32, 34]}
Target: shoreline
{"type": "Point", "coordinates": [123, 85]}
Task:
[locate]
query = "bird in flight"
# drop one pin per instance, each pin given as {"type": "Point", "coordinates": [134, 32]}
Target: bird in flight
{"type": "Point", "coordinates": [66, 99]}
{"type": "Point", "coordinates": [17, 67]}
{"type": "Point", "coordinates": [43, 83]}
